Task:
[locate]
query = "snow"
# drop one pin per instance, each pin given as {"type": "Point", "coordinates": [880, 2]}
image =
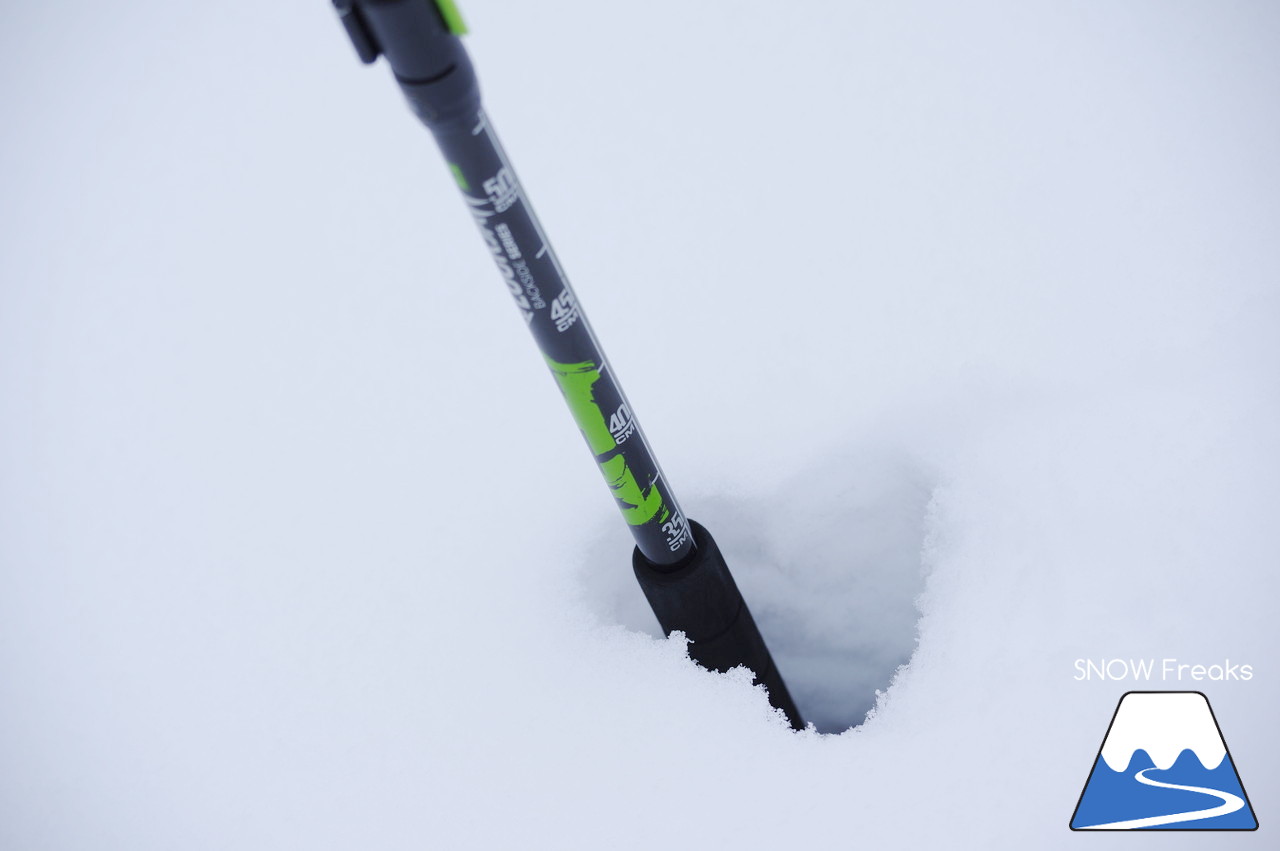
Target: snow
{"type": "Point", "coordinates": [966, 322]}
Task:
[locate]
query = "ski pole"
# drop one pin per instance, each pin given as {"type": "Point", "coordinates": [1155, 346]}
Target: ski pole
{"type": "Point", "coordinates": [676, 561]}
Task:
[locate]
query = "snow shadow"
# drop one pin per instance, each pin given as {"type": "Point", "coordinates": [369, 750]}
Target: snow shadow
{"type": "Point", "coordinates": [830, 564]}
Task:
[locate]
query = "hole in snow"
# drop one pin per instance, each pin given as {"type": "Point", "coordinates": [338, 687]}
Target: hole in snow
{"type": "Point", "coordinates": [830, 565]}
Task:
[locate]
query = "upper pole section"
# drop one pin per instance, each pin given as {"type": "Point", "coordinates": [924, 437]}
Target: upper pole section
{"type": "Point", "coordinates": [420, 39]}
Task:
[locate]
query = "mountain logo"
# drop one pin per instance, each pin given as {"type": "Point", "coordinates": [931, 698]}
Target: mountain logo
{"type": "Point", "coordinates": [1164, 765]}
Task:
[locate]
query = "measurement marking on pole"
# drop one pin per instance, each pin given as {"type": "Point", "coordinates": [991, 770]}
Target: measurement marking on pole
{"type": "Point", "coordinates": [564, 310]}
{"type": "Point", "coordinates": [541, 251]}
{"type": "Point", "coordinates": [533, 220]}
{"type": "Point", "coordinates": [503, 190]}
{"type": "Point", "coordinates": [621, 424]}
{"type": "Point", "coordinates": [677, 531]}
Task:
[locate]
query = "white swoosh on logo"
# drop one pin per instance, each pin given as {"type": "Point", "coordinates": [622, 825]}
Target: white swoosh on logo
{"type": "Point", "coordinates": [1230, 803]}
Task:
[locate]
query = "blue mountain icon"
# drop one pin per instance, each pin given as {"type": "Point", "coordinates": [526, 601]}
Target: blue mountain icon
{"type": "Point", "coordinates": [1164, 766]}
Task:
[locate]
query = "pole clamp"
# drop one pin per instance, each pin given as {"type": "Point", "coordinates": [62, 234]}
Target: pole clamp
{"type": "Point", "coordinates": [420, 39]}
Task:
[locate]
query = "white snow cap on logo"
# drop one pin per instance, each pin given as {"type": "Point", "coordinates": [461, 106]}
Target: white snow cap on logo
{"type": "Point", "coordinates": [1164, 724]}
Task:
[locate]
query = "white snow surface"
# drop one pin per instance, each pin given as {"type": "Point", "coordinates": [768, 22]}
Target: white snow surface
{"type": "Point", "coordinates": [955, 323]}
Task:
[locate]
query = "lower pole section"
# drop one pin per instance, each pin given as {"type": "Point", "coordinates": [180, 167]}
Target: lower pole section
{"type": "Point", "coordinates": [683, 574]}
{"type": "Point", "coordinates": [700, 599]}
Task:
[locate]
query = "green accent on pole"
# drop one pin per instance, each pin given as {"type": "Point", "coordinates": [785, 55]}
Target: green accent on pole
{"type": "Point", "coordinates": [459, 177]}
{"type": "Point", "coordinates": [639, 505]}
{"type": "Point", "coordinates": [577, 382]}
{"type": "Point", "coordinates": [452, 17]}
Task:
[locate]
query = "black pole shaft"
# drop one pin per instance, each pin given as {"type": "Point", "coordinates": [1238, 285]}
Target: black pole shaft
{"type": "Point", "coordinates": [679, 567]}
{"type": "Point", "coordinates": [549, 306]}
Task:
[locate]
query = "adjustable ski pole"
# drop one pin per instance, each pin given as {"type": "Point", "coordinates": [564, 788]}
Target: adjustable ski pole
{"type": "Point", "coordinates": [678, 565]}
